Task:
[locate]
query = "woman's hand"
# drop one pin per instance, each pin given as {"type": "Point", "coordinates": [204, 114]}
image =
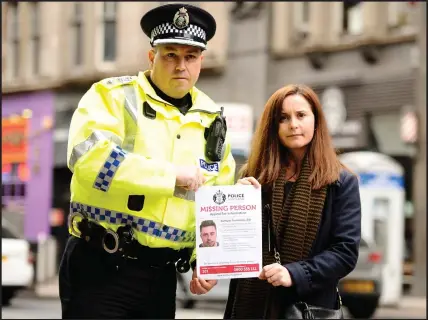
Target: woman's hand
{"type": "Point", "coordinates": [277, 275]}
{"type": "Point", "coordinates": [200, 286]}
{"type": "Point", "coordinates": [249, 181]}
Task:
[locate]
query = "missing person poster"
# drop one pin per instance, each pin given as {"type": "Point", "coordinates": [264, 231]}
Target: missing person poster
{"type": "Point", "coordinates": [228, 232]}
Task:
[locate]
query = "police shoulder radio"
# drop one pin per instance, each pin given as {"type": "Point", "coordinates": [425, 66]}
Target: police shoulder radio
{"type": "Point", "coordinates": [215, 136]}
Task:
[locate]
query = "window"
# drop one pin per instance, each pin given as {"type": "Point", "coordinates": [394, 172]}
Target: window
{"type": "Point", "coordinates": [77, 34]}
{"type": "Point", "coordinates": [17, 190]}
{"type": "Point", "coordinates": [301, 19]}
{"type": "Point", "coordinates": [14, 179]}
{"type": "Point", "coordinates": [110, 31]}
{"type": "Point", "coordinates": [401, 15]}
{"type": "Point", "coordinates": [35, 36]}
{"type": "Point", "coordinates": [352, 22]}
{"type": "Point", "coordinates": [13, 31]}
{"type": "Point", "coordinates": [305, 12]}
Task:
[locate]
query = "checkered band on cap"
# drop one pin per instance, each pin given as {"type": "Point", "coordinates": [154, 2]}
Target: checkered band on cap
{"type": "Point", "coordinates": [168, 28]}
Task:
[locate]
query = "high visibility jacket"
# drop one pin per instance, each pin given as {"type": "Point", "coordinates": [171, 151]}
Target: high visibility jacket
{"type": "Point", "coordinates": [124, 141]}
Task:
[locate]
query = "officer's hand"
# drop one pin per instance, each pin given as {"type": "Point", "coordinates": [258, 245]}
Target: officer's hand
{"type": "Point", "coordinates": [200, 286]}
{"type": "Point", "coordinates": [249, 181]}
{"type": "Point", "coordinates": [189, 177]}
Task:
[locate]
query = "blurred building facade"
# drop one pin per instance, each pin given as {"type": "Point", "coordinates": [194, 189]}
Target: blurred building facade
{"type": "Point", "coordinates": [419, 196]}
{"type": "Point", "coordinates": [361, 58]}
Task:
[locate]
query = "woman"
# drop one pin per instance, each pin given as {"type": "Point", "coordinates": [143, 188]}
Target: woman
{"type": "Point", "coordinates": [311, 216]}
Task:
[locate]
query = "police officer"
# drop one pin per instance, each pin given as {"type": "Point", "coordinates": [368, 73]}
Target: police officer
{"type": "Point", "coordinates": [139, 147]}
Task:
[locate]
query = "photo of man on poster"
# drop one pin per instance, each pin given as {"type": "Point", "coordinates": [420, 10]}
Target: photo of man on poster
{"type": "Point", "coordinates": [208, 231]}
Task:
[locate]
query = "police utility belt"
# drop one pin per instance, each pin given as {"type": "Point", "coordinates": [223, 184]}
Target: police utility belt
{"type": "Point", "coordinates": [215, 136]}
{"type": "Point", "coordinates": [123, 245]}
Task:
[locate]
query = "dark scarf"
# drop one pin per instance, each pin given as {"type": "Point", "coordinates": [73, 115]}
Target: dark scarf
{"type": "Point", "coordinates": [295, 222]}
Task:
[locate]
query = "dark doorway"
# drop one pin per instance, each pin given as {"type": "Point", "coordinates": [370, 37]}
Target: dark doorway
{"type": "Point", "coordinates": [61, 203]}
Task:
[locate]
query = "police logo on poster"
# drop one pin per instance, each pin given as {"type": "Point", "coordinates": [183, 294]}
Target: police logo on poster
{"type": "Point", "coordinates": [219, 197]}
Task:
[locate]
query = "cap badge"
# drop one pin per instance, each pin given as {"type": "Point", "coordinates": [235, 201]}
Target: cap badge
{"type": "Point", "coordinates": [181, 18]}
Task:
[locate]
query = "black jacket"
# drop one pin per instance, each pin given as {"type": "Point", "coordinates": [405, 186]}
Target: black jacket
{"type": "Point", "coordinates": [334, 253]}
{"type": "Point", "coordinates": [335, 250]}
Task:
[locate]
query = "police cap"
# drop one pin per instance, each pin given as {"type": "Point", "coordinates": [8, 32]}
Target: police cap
{"type": "Point", "coordinates": [179, 24]}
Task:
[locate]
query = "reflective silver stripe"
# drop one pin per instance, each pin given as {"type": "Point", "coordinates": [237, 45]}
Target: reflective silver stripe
{"type": "Point", "coordinates": [153, 228]}
{"type": "Point", "coordinates": [83, 147]}
{"type": "Point", "coordinates": [184, 194]}
{"type": "Point", "coordinates": [130, 117]}
{"type": "Point", "coordinates": [131, 101]}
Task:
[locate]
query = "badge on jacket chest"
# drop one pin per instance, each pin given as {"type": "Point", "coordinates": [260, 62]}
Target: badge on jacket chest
{"type": "Point", "coordinates": [210, 167]}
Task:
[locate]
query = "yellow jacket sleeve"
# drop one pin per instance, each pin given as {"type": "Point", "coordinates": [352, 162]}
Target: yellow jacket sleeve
{"type": "Point", "coordinates": [226, 176]}
{"type": "Point", "coordinates": [96, 131]}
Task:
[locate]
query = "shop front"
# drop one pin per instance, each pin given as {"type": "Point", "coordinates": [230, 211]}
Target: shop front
{"type": "Point", "coordinates": [27, 162]}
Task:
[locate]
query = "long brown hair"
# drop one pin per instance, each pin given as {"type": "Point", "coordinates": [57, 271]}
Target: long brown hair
{"type": "Point", "coordinates": [268, 156]}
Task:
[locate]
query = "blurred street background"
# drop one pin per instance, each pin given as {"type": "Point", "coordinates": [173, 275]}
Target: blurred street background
{"type": "Point", "coordinates": [366, 60]}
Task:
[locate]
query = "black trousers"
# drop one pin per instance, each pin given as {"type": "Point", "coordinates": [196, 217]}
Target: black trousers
{"type": "Point", "coordinates": [93, 285]}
